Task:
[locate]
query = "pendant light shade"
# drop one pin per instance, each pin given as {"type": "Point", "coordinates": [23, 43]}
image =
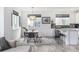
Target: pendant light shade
{"type": "Point", "coordinates": [32, 17]}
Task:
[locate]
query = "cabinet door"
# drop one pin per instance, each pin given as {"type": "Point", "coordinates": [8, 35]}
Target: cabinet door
{"type": "Point", "coordinates": [73, 37]}
{"type": "Point", "coordinates": [77, 18]}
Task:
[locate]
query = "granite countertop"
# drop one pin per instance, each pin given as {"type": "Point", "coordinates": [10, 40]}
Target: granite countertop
{"type": "Point", "coordinates": [69, 28]}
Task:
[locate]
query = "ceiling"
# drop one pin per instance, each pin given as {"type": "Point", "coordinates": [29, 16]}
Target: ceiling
{"type": "Point", "coordinates": [49, 8]}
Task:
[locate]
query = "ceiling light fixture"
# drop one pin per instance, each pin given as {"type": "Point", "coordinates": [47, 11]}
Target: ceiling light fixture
{"type": "Point", "coordinates": [32, 17]}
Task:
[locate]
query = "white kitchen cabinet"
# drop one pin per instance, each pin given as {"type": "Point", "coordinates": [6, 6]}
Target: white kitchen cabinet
{"type": "Point", "coordinates": [77, 18]}
{"type": "Point", "coordinates": [73, 37]}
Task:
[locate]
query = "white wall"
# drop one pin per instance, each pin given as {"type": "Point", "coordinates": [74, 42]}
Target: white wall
{"type": "Point", "coordinates": [1, 21]}
{"type": "Point", "coordinates": [9, 33]}
{"type": "Point", "coordinates": [47, 12]}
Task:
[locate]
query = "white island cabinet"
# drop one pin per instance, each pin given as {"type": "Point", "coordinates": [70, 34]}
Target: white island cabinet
{"type": "Point", "coordinates": [71, 36]}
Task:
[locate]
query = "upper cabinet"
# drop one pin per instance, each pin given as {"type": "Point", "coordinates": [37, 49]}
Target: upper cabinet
{"type": "Point", "coordinates": [77, 18]}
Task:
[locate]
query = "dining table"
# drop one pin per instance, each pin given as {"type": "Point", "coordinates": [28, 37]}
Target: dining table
{"type": "Point", "coordinates": [31, 34]}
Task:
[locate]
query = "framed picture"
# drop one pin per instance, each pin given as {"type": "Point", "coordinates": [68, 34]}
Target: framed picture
{"type": "Point", "coordinates": [45, 20]}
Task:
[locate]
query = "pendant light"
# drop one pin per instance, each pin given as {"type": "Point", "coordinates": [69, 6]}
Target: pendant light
{"type": "Point", "coordinates": [32, 17]}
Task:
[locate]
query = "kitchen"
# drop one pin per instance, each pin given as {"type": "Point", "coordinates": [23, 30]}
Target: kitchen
{"type": "Point", "coordinates": [71, 30]}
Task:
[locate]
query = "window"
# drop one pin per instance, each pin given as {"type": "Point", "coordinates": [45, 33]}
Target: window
{"type": "Point", "coordinates": [62, 19]}
{"type": "Point", "coordinates": [34, 22]}
{"type": "Point", "coordinates": [15, 20]}
{"type": "Point", "coordinates": [37, 22]}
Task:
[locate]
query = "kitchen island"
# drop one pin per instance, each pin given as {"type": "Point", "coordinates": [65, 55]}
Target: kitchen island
{"type": "Point", "coordinates": [71, 35]}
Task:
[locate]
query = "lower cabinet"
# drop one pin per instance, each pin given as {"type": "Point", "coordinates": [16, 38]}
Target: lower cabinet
{"type": "Point", "coordinates": [71, 37]}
